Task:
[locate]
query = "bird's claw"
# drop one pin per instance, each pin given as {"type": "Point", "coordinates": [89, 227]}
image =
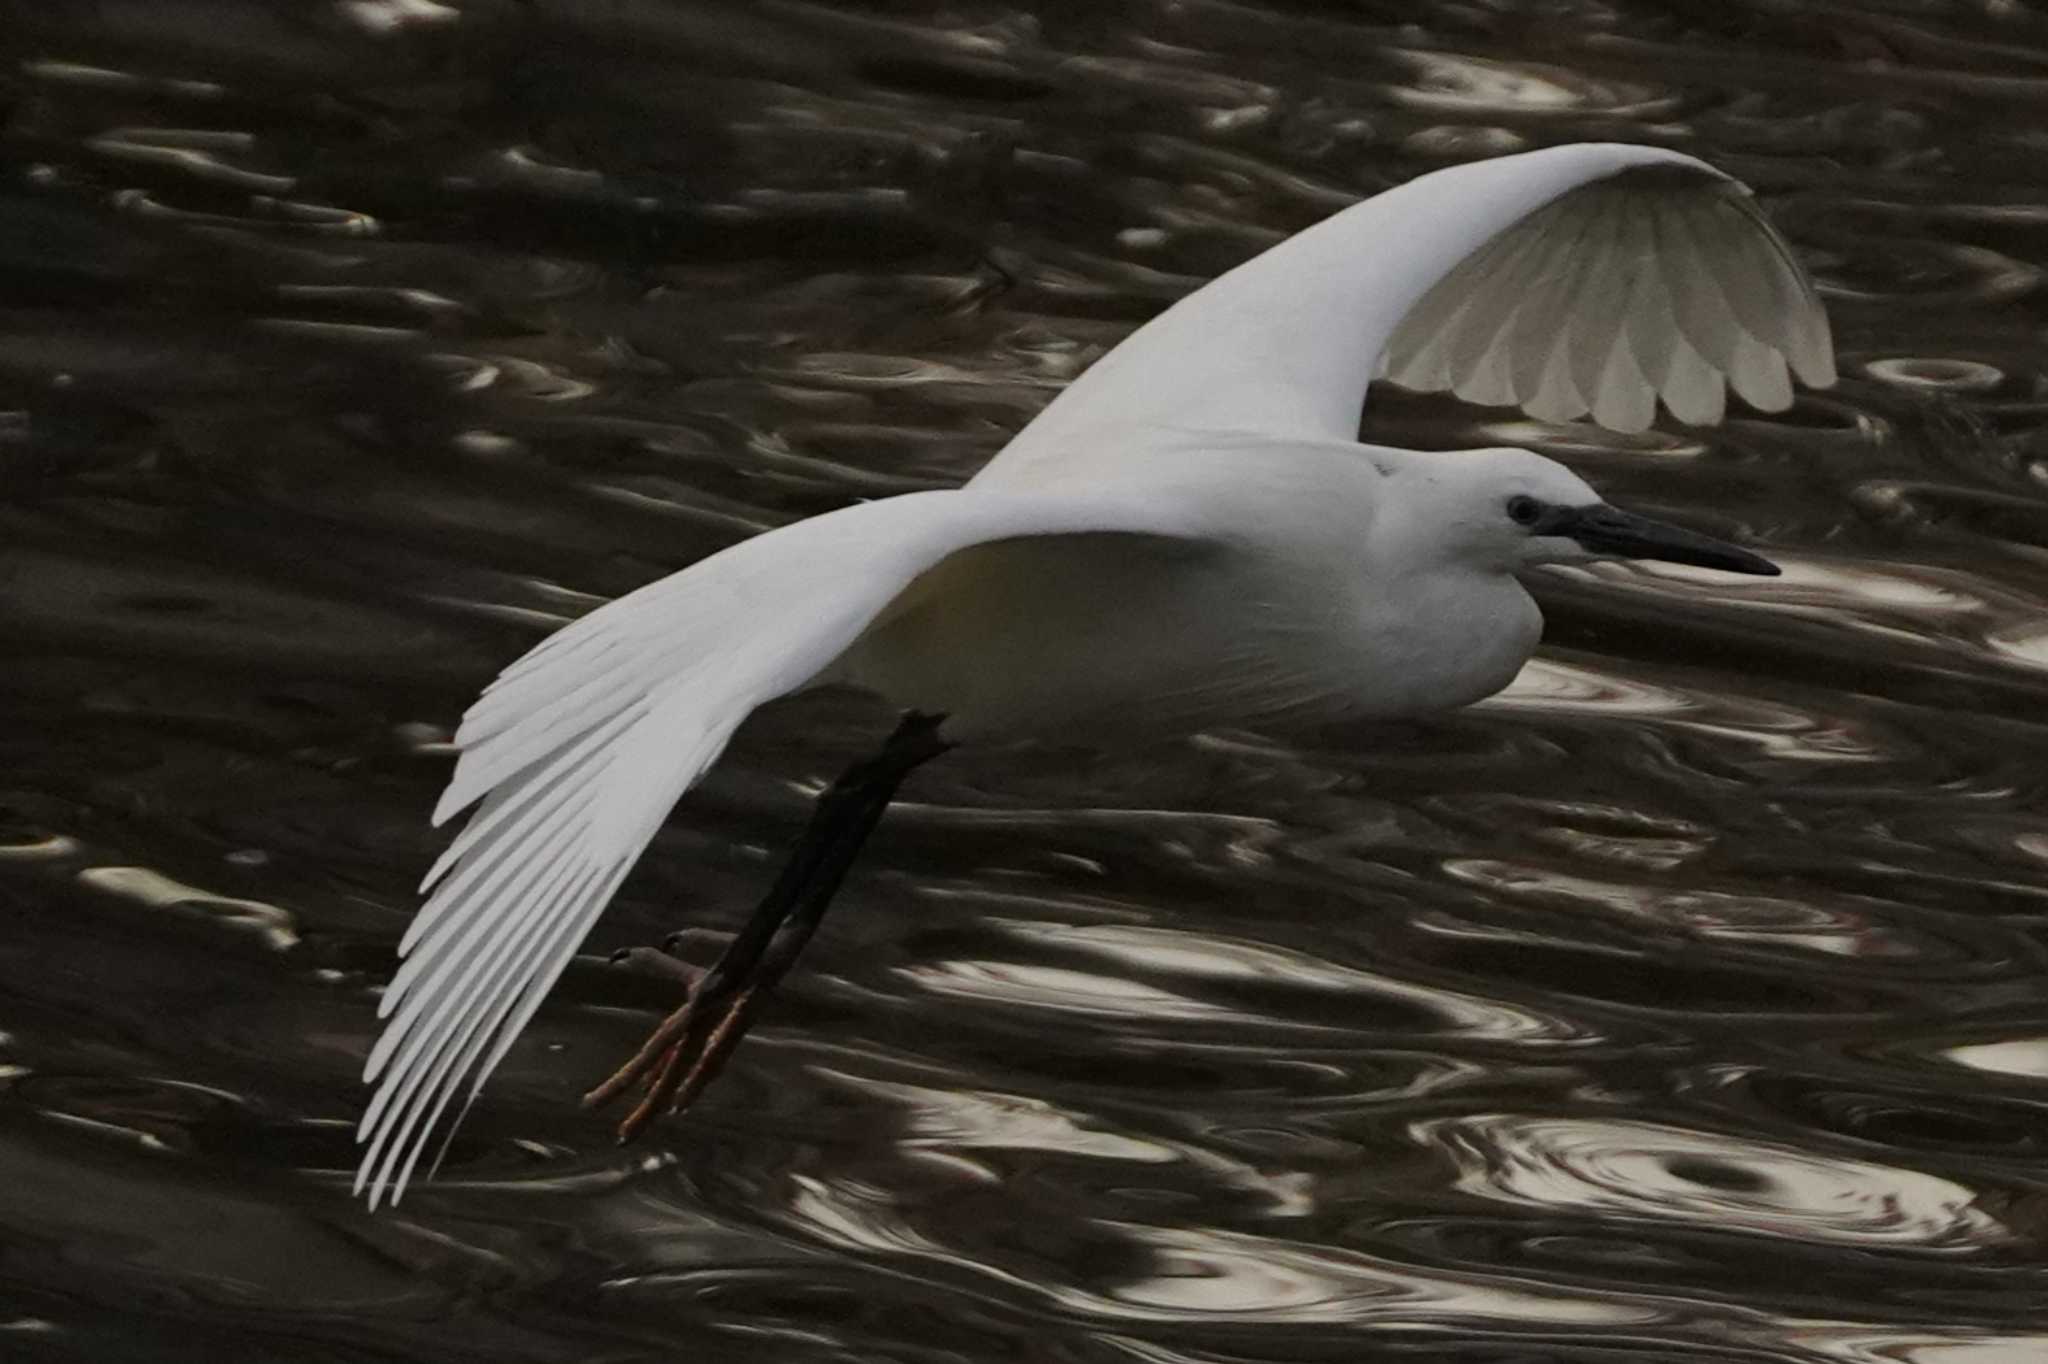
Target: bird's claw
{"type": "Point", "coordinates": [689, 1048]}
{"type": "Point", "coordinates": [683, 1055]}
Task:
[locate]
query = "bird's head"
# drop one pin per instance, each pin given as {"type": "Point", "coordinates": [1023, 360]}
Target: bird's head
{"type": "Point", "coordinates": [1509, 509]}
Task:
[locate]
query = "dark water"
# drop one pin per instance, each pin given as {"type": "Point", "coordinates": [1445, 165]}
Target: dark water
{"type": "Point", "coordinates": [1685, 1004]}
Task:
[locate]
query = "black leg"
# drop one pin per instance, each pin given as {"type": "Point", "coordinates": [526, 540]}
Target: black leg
{"type": "Point", "coordinates": [689, 1048]}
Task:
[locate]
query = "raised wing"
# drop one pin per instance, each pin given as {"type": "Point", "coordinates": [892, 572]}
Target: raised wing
{"type": "Point", "coordinates": [579, 748]}
{"type": "Point", "coordinates": [1593, 277]}
{"type": "Point", "coordinates": [1659, 282]}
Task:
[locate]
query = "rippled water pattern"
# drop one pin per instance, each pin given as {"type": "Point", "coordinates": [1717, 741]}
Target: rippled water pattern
{"type": "Point", "coordinates": [1684, 1003]}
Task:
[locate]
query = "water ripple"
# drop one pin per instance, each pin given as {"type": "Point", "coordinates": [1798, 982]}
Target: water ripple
{"type": "Point", "coordinates": [1450, 82]}
{"type": "Point", "coordinates": [2025, 1056]}
{"type": "Point", "coordinates": [1197, 958]}
{"type": "Point", "coordinates": [352, 346]}
{"type": "Point", "coordinates": [1626, 1169]}
{"type": "Point", "coordinates": [1221, 1276]}
{"type": "Point", "coordinates": [1883, 1345]}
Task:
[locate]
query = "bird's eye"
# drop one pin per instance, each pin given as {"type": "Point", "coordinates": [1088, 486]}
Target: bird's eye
{"type": "Point", "coordinates": [1523, 510]}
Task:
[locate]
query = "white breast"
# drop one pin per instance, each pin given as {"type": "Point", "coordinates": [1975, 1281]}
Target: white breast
{"type": "Point", "coordinates": [1285, 615]}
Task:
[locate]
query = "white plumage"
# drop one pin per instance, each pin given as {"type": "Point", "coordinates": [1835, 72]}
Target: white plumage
{"type": "Point", "coordinates": [585, 743]}
{"type": "Point", "coordinates": [1189, 533]}
{"type": "Point", "coordinates": [1657, 283]}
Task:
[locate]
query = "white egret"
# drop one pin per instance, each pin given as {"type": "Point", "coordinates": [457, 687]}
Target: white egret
{"type": "Point", "coordinates": [1190, 534]}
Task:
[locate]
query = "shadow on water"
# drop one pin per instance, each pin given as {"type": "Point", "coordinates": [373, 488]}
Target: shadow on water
{"type": "Point", "coordinates": [1683, 1003]}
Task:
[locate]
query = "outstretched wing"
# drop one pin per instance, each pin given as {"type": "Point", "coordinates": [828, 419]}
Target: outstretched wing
{"type": "Point", "coordinates": [579, 748]}
{"type": "Point", "coordinates": [1658, 282]}
{"type": "Point", "coordinates": [1594, 277]}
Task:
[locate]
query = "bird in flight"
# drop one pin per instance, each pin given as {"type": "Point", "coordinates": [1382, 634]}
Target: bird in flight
{"type": "Point", "coordinates": [1191, 534]}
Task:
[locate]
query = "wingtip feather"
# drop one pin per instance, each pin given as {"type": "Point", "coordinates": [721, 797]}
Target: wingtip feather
{"type": "Point", "coordinates": [1726, 289]}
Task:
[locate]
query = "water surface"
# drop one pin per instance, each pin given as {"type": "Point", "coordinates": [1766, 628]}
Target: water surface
{"type": "Point", "coordinates": [1684, 1003]}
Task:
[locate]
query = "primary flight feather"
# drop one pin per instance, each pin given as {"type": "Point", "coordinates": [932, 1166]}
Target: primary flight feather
{"type": "Point", "coordinates": [1189, 534]}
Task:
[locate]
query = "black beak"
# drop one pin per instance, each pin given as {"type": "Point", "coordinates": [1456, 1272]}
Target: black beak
{"type": "Point", "coordinates": [1618, 534]}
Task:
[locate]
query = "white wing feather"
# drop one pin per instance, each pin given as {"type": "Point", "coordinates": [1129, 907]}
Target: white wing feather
{"type": "Point", "coordinates": [1591, 278]}
{"type": "Point", "coordinates": [1660, 282]}
{"type": "Point", "coordinates": [580, 747]}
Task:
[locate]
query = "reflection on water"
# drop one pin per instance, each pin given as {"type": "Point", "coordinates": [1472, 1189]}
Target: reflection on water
{"type": "Point", "coordinates": [1618, 1169]}
{"type": "Point", "coordinates": [1682, 1003]}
